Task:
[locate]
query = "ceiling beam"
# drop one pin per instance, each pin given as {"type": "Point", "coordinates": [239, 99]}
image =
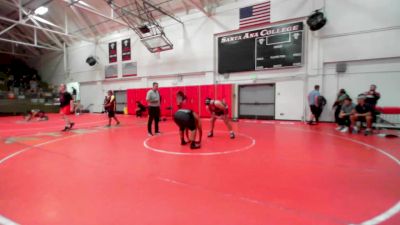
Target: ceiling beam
{"type": "Point", "coordinates": [185, 6]}
{"type": "Point", "coordinates": [7, 29]}
{"type": "Point", "coordinates": [30, 44]}
{"type": "Point", "coordinates": [11, 5]}
{"type": "Point", "coordinates": [199, 7]}
{"type": "Point", "coordinates": [96, 12]}
{"type": "Point", "coordinates": [14, 36]}
{"type": "Point", "coordinates": [17, 54]}
{"type": "Point", "coordinates": [31, 16]}
{"type": "Point", "coordinates": [82, 20]}
{"type": "Point", "coordinates": [45, 29]}
{"type": "Point", "coordinates": [162, 11]}
{"type": "Point", "coordinates": [50, 35]}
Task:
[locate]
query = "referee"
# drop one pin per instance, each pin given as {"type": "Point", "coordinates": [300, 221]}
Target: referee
{"type": "Point", "coordinates": [153, 100]}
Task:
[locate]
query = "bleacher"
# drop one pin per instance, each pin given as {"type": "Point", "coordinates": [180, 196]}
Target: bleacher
{"type": "Point", "coordinates": [21, 90]}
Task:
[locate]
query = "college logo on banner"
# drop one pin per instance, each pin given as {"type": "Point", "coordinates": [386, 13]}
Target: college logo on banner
{"type": "Point", "coordinates": [112, 52]}
{"type": "Point", "coordinates": [126, 49]}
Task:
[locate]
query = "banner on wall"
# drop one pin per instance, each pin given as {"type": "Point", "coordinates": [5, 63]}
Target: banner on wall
{"type": "Point", "coordinates": [112, 52]}
{"type": "Point", "coordinates": [129, 69]}
{"type": "Point", "coordinates": [126, 49]}
{"type": "Point", "coordinates": [111, 71]}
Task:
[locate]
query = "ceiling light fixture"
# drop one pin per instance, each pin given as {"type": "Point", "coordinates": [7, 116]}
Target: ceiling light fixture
{"type": "Point", "coordinates": [41, 10]}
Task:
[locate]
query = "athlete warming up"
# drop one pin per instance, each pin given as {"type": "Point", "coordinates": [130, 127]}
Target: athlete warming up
{"type": "Point", "coordinates": [40, 115]}
{"type": "Point", "coordinates": [65, 106]}
{"type": "Point", "coordinates": [218, 109]}
{"type": "Point", "coordinates": [111, 107]}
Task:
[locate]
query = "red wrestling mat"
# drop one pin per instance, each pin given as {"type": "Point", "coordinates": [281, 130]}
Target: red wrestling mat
{"type": "Point", "coordinates": [272, 173]}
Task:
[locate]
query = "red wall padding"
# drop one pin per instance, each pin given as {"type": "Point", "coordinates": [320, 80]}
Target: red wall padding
{"type": "Point", "coordinates": [196, 96]}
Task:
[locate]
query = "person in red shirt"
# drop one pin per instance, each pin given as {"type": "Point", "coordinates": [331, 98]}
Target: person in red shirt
{"type": "Point", "coordinates": [66, 102]}
{"type": "Point", "coordinates": [111, 107]}
{"type": "Point", "coordinates": [218, 109]}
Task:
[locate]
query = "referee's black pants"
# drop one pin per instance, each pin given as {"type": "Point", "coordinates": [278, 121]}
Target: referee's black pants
{"type": "Point", "coordinates": [154, 114]}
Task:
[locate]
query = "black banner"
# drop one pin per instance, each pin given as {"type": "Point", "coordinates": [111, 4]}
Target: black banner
{"type": "Point", "coordinates": [126, 49]}
{"type": "Point", "coordinates": [271, 47]}
{"type": "Point", "coordinates": [112, 52]}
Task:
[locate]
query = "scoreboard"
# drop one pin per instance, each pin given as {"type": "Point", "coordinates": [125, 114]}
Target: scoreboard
{"type": "Point", "coordinates": [272, 47]}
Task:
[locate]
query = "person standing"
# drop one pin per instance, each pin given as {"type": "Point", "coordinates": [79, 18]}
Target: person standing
{"type": "Point", "coordinates": [341, 96]}
{"type": "Point", "coordinates": [65, 106]}
{"type": "Point", "coordinates": [372, 100]}
{"type": "Point", "coordinates": [219, 109]}
{"type": "Point", "coordinates": [372, 96]}
{"type": "Point", "coordinates": [74, 93]}
{"type": "Point", "coordinates": [111, 107]}
{"type": "Point", "coordinates": [153, 99]}
{"type": "Point", "coordinates": [314, 105]}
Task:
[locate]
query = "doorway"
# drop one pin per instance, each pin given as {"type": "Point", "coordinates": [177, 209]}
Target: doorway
{"type": "Point", "coordinates": [257, 101]}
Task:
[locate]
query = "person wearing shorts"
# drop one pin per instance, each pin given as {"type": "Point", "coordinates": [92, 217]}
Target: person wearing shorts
{"type": "Point", "coordinates": [65, 106]}
{"type": "Point", "coordinates": [111, 107]}
{"type": "Point", "coordinates": [186, 119]}
{"type": "Point", "coordinates": [188, 122]}
{"type": "Point", "coordinates": [218, 109]}
{"type": "Point", "coordinates": [362, 113]}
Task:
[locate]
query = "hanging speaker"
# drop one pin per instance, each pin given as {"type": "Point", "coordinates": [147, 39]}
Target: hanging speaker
{"type": "Point", "coordinates": [91, 61]}
{"type": "Point", "coordinates": [144, 29]}
{"type": "Point", "coordinates": [316, 21]}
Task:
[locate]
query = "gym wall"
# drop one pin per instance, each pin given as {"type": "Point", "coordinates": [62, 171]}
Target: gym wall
{"type": "Point", "coordinates": [357, 32]}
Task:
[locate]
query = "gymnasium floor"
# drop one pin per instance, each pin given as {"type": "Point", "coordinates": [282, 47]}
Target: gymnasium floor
{"type": "Point", "coordinates": [274, 172]}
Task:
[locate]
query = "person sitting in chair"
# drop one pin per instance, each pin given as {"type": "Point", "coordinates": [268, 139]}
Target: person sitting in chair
{"type": "Point", "coordinates": [346, 111]}
{"type": "Point", "coordinates": [361, 113]}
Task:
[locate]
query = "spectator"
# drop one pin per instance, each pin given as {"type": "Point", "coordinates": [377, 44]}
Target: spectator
{"type": "Point", "coordinates": [33, 85]}
{"type": "Point", "coordinates": [140, 109]}
{"type": "Point", "coordinates": [361, 113]}
{"type": "Point", "coordinates": [341, 96]}
{"type": "Point", "coordinates": [25, 82]}
{"type": "Point", "coordinates": [344, 115]}
{"type": "Point", "coordinates": [74, 93]}
{"type": "Point", "coordinates": [153, 99]}
{"type": "Point", "coordinates": [372, 96]}
{"type": "Point", "coordinates": [10, 82]}
{"type": "Point", "coordinates": [17, 85]}
{"type": "Point", "coordinates": [314, 105]}
{"type": "Point", "coordinates": [372, 100]}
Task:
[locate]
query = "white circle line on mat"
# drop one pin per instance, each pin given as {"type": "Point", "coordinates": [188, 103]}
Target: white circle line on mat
{"type": "Point", "coordinates": [146, 145]}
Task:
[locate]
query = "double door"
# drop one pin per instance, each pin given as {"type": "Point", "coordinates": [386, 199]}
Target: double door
{"type": "Point", "coordinates": [257, 101]}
